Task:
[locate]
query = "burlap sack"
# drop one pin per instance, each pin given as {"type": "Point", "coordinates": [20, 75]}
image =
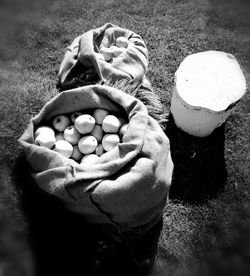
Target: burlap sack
{"type": "Point", "coordinates": [128, 187]}
{"type": "Point", "coordinates": [80, 65]}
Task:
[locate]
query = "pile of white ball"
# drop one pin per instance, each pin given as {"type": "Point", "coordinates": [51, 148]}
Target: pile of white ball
{"type": "Point", "coordinates": [108, 53]}
{"type": "Point", "coordinates": [81, 136]}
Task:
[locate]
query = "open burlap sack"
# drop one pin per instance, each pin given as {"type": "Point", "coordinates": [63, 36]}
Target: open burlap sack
{"type": "Point", "coordinates": [81, 66]}
{"type": "Point", "coordinates": [128, 187]}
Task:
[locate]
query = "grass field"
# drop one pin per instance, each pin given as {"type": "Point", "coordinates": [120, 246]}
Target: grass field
{"type": "Point", "coordinates": [207, 221]}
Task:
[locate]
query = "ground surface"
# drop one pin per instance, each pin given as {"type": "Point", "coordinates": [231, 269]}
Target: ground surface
{"type": "Point", "coordinates": [206, 223]}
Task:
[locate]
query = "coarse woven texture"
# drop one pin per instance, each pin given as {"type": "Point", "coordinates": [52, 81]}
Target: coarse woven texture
{"type": "Point", "coordinates": [144, 92]}
{"type": "Point", "coordinates": [128, 186]}
{"type": "Point", "coordinates": [81, 66]}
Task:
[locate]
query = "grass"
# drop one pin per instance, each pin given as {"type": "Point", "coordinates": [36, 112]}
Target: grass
{"type": "Point", "coordinates": [206, 223]}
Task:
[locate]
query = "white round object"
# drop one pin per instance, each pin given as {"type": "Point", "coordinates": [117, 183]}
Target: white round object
{"type": "Point", "coordinates": [74, 115]}
{"type": "Point", "coordinates": [64, 148]}
{"type": "Point", "coordinates": [99, 115]}
{"type": "Point", "coordinates": [113, 47]}
{"type": "Point", "coordinates": [118, 51]}
{"type": "Point", "coordinates": [44, 130]}
{"type": "Point", "coordinates": [85, 123]}
{"type": "Point", "coordinates": [122, 42]}
{"type": "Point", "coordinates": [71, 135]}
{"type": "Point", "coordinates": [97, 132]}
{"type": "Point", "coordinates": [60, 122]}
{"type": "Point", "coordinates": [207, 86]}
{"type": "Point", "coordinates": [89, 159]}
{"type": "Point", "coordinates": [107, 53]}
{"type": "Point", "coordinates": [123, 129]}
{"type": "Point", "coordinates": [59, 136]}
{"type": "Point", "coordinates": [109, 141]}
{"type": "Point", "coordinates": [45, 140]}
{"type": "Point", "coordinates": [111, 124]}
{"type": "Point", "coordinates": [87, 144]}
{"type": "Point", "coordinates": [99, 150]}
{"type": "Point", "coordinates": [76, 155]}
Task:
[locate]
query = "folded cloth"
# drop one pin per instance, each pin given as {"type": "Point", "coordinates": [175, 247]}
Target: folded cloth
{"type": "Point", "coordinates": [81, 65]}
{"type": "Point", "coordinates": [127, 188]}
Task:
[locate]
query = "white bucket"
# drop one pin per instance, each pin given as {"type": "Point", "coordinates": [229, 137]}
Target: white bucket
{"type": "Point", "coordinates": [207, 86]}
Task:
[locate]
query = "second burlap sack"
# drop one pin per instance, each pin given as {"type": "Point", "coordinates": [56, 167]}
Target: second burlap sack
{"type": "Point", "coordinates": [81, 66]}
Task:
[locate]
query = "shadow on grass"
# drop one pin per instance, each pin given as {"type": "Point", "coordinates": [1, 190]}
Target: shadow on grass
{"type": "Point", "coordinates": [199, 164]}
{"type": "Point", "coordinates": [63, 243]}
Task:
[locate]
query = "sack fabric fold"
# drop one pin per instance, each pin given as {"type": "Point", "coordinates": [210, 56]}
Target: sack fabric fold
{"type": "Point", "coordinates": [81, 66]}
{"type": "Point", "coordinates": [128, 186]}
